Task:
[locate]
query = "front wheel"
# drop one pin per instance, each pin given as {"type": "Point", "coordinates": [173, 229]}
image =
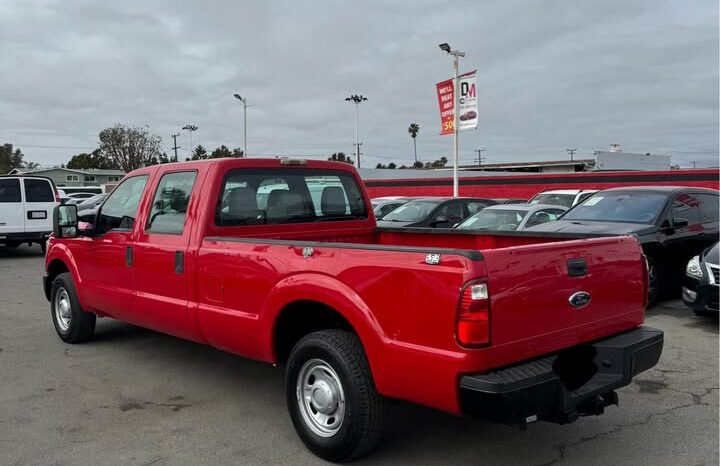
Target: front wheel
{"type": "Point", "coordinates": [72, 323]}
{"type": "Point", "coordinates": [331, 396]}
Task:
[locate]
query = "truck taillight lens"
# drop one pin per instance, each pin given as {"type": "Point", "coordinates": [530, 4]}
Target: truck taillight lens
{"type": "Point", "coordinates": [473, 324]}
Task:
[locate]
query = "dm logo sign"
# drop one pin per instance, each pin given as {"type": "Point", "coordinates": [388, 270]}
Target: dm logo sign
{"type": "Point", "coordinates": [580, 299]}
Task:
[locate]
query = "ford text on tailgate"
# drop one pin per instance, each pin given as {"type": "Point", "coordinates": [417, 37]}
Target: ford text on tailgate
{"type": "Point", "coordinates": [281, 261]}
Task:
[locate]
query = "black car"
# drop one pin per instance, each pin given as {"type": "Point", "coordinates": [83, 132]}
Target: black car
{"type": "Point", "coordinates": [672, 224]}
{"type": "Point", "coordinates": [434, 212]}
{"type": "Point", "coordinates": [700, 286]}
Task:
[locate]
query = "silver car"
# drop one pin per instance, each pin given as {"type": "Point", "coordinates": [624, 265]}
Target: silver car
{"type": "Point", "coordinates": [511, 217]}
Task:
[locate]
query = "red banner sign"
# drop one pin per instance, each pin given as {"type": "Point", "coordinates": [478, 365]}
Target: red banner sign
{"type": "Point", "coordinates": [446, 100]}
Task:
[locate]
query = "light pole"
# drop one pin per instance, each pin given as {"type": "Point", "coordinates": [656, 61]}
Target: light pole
{"type": "Point", "coordinates": [190, 129]}
{"type": "Point", "coordinates": [456, 85]}
{"type": "Point", "coordinates": [357, 100]}
{"type": "Point", "coordinates": [244, 102]}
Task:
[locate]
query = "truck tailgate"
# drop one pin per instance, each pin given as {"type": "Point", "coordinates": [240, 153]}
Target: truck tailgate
{"type": "Point", "coordinates": [564, 292]}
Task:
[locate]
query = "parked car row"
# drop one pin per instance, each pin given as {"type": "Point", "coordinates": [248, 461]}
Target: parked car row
{"type": "Point", "coordinates": [672, 224]}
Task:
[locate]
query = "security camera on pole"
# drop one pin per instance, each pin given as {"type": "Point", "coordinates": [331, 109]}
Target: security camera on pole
{"type": "Point", "coordinates": [458, 106]}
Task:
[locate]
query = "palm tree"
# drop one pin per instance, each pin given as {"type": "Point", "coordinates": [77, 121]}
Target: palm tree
{"type": "Point", "coordinates": [414, 129]}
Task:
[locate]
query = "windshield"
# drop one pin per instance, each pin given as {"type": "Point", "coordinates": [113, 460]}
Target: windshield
{"type": "Point", "coordinates": [564, 200]}
{"type": "Point", "coordinates": [635, 207]}
{"type": "Point", "coordinates": [494, 220]}
{"type": "Point", "coordinates": [413, 211]}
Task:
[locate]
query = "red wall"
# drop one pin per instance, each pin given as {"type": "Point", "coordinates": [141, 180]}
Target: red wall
{"type": "Point", "coordinates": [526, 186]}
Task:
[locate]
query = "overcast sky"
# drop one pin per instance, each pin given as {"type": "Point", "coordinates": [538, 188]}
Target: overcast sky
{"type": "Point", "coordinates": [551, 75]}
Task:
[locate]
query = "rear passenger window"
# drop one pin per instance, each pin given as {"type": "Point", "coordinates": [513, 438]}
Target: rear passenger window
{"type": "Point", "coordinates": [10, 190]}
{"type": "Point", "coordinates": [38, 191]}
{"type": "Point", "coordinates": [169, 207]}
{"type": "Point", "coordinates": [685, 206]}
{"type": "Point", "coordinates": [259, 197]}
{"type": "Point", "coordinates": [709, 207]}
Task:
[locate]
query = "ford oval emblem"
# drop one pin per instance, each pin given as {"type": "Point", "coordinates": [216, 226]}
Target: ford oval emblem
{"type": "Point", "coordinates": [580, 299]}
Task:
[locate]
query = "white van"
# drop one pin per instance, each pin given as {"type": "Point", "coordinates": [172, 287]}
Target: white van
{"type": "Point", "coordinates": [26, 209]}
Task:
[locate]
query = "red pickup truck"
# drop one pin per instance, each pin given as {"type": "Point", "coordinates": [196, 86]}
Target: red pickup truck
{"type": "Point", "coordinates": [281, 261]}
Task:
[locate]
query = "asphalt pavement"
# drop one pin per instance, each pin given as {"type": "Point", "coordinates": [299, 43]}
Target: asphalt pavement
{"type": "Point", "coordinates": [136, 397]}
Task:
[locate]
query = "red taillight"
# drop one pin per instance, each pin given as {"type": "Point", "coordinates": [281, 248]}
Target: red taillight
{"type": "Point", "coordinates": [473, 325]}
{"type": "Point", "coordinates": [57, 194]}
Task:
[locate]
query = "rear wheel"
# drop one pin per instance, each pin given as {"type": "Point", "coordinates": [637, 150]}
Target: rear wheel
{"type": "Point", "coordinates": [72, 323]}
{"type": "Point", "coordinates": [331, 396]}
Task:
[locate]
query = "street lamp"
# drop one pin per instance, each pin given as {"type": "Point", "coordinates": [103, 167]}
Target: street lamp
{"type": "Point", "coordinates": [445, 47]}
{"type": "Point", "coordinates": [357, 100]}
{"type": "Point", "coordinates": [190, 129]}
{"type": "Point", "coordinates": [244, 102]}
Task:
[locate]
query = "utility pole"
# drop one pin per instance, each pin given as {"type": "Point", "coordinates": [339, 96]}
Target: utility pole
{"type": "Point", "coordinates": [571, 152]}
{"type": "Point", "coordinates": [694, 162]}
{"type": "Point", "coordinates": [190, 129]}
{"type": "Point", "coordinates": [480, 157]}
{"type": "Point", "coordinates": [357, 99]}
{"type": "Point", "coordinates": [175, 146]}
{"type": "Point", "coordinates": [244, 102]}
{"type": "Point", "coordinates": [456, 92]}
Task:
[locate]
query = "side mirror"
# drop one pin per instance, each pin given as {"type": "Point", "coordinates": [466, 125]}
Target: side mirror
{"type": "Point", "coordinates": [680, 222]}
{"type": "Point", "coordinates": [65, 221]}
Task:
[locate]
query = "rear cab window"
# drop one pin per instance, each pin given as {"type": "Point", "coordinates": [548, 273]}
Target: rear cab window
{"type": "Point", "coordinates": [266, 197]}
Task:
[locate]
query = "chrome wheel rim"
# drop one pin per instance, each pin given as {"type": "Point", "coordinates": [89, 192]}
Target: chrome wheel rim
{"type": "Point", "coordinates": [320, 397]}
{"type": "Point", "coordinates": [63, 310]}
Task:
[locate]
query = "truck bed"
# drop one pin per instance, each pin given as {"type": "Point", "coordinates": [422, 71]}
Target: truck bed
{"type": "Point", "coordinates": [414, 303]}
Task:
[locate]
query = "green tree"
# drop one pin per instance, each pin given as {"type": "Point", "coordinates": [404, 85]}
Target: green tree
{"type": "Point", "coordinates": [220, 152]}
{"type": "Point", "coordinates": [341, 157]}
{"type": "Point", "coordinates": [11, 159]}
{"type": "Point", "coordinates": [199, 153]}
{"type": "Point", "coordinates": [414, 129]}
{"type": "Point", "coordinates": [93, 160]}
{"type": "Point", "coordinates": [418, 164]}
{"type": "Point", "coordinates": [129, 147]}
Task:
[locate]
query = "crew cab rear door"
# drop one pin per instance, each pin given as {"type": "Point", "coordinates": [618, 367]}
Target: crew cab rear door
{"type": "Point", "coordinates": [161, 277]}
{"type": "Point", "coordinates": [554, 295]}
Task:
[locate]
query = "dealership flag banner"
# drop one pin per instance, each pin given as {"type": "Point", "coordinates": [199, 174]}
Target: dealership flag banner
{"type": "Point", "coordinates": [467, 103]}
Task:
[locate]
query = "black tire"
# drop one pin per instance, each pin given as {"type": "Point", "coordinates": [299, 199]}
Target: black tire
{"type": "Point", "coordinates": [360, 426]}
{"type": "Point", "coordinates": [655, 276]}
{"type": "Point", "coordinates": [81, 325]}
{"type": "Point", "coordinates": [43, 246]}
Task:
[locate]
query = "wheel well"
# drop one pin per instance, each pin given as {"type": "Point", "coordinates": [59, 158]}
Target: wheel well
{"type": "Point", "coordinates": [301, 318]}
{"type": "Point", "coordinates": [55, 268]}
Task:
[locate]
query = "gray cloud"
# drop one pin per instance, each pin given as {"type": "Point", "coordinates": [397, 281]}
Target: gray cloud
{"type": "Point", "coordinates": [551, 75]}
